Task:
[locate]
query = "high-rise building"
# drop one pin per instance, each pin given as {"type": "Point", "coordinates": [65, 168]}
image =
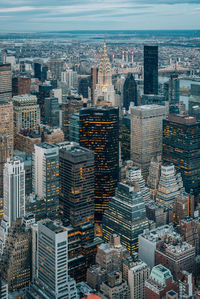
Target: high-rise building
{"type": "Point", "coordinates": [27, 160]}
{"type": "Point", "coordinates": [134, 178]}
{"type": "Point", "coordinates": [154, 175]}
{"type": "Point", "coordinates": [44, 73]}
{"type": "Point", "coordinates": [110, 257]}
{"type": "Point", "coordinates": [70, 78]}
{"type": "Point", "coordinates": [6, 141]}
{"type": "Point", "coordinates": [99, 131]}
{"type": "Point", "coordinates": [76, 170]}
{"type": "Point", "coordinates": [56, 67]}
{"type": "Point", "coordinates": [74, 127]}
{"type": "Point", "coordinates": [126, 216]}
{"type": "Point", "coordinates": [37, 70]}
{"type": "Point", "coordinates": [5, 82]}
{"type": "Point", "coordinates": [183, 206]}
{"type": "Point", "coordinates": [137, 275]}
{"type": "Point", "coordinates": [3, 289]}
{"type": "Point", "coordinates": [180, 256]}
{"type": "Point", "coordinates": [46, 175]}
{"type": "Point", "coordinates": [149, 241]}
{"type": "Point", "coordinates": [14, 190]}
{"type": "Point", "coordinates": [15, 266]}
{"type": "Point", "coordinates": [51, 112]}
{"type": "Point", "coordinates": [77, 184]}
{"type": "Point", "coordinates": [169, 186]}
{"type": "Point", "coordinates": [115, 287]}
{"type": "Point", "coordinates": [44, 92]}
{"type": "Point", "coordinates": [172, 90]}
{"type": "Point", "coordinates": [160, 283]}
{"type": "Point", "coordinates": [146, 135]}
{"type": "Point", "coordinates": [125, 137]}
{"type": "Point", "coordinates": [186, 285]}
{"type": "Point", "coordinates": [83, 87]}
{"type": "Point", "coordinates": [21, 85]}
{"type": "Point", "coordinates": [129, 91]}
{"type": "Point", "coordinates": [181, 146]}
{"type": "Point", "coordinates": [52, 279]}
{"type": "Point", "coordinates": [150, 69]}
{"type": "Point", "coordinates": [189, 230]}
{"type": "Point", "coordinates": [69, 107]}
{"type": "Point", "coordinates": [94, 80]}
{"type": "Point", "coordinates": [26, 113]}
{"type": "Point", "coordinates": [104, 87]}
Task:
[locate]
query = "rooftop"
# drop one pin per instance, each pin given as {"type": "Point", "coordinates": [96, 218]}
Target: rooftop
{"type": "Point", "coordinates": [53, 227]}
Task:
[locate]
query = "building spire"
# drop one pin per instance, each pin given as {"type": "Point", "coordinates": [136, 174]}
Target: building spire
{"type": "Point", "coordinates": [105, 50]}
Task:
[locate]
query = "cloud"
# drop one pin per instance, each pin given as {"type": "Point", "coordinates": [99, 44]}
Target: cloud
{"type": "Point", "coordinates": [90, 14]}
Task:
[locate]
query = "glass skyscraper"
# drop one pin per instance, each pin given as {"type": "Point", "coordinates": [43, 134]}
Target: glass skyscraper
{"type": "Point", "coordinates": [181, 146]}
{"type": "Point", "coordinates": [99, 131]}
{"type": "Point", "coordinates": [126, 216]}
{"type": "Point", "coordinates": [129, 91]}
{"type": "Point", "coordinates": [150, 69]}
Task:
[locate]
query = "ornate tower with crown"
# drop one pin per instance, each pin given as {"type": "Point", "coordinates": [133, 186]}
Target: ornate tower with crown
{"type": "Point", "coordinates": [104, 87]}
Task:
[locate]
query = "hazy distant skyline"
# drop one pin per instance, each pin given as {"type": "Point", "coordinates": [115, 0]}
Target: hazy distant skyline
{"type": "Point", "coordinates": [41, 15]}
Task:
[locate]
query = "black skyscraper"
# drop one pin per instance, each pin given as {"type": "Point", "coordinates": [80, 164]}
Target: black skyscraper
{"type": "Point", "coordinates": [99, 131]}
{"type": "Point", "coordinates": [83, 87]}
{"type": "Point", "coordinates": [150, 69]}
{"type": "Point", "coordinates": [37, 70]}
{"type": "Point", "coordinates": [181, 146]}
{"type": "Point", "coordinates": [130, 91]}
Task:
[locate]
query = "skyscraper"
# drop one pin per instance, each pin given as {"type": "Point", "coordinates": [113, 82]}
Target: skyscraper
{"type": "Point", "coordinates": [5, 82]}
{"type": "Point", "coordinates": [46, 176]}
{"type": "Point", "coordinates": [14, 190]}
{"type": "Point", "coordinates": [129, 91]}
{"type": "Point", "coordinates": [146, 134]}
{"type": "Point", "coordinates": [181, 146]}
{"type": "Point", "coordinates": [6, 141]}
{"type": "Point", "coordinates": [69, 107]}
{"type": "Point", "coordinates": [37, 70]}
{"type": "Point", "coordinates": [83, 87]}
{"type": "Point", "coordinates": [26, 113]}
{"type": "Point", "coordinates": [150, 69]}
{"type": "Point", "coordinates": [15, 266]}
{"type": "Point", "coordinates": [99, 131]}
{"type": "Point", "coordinates": [51, 112]}
{"type": "Point", "coordinates": [126, 216]}
{"type": "Point", "coordinates": [21, 85]}
{"type": "Point", "coordinates": [56, 67]}
{"type": "Point", "coordinates": [94, 80]}
{"type": "Point", "coordinates": [77, 205]}
{"type": "Point", "coordinates": [77, 184]}
{"type": "Point", "coordinates": [170, 185]}
{"type": "Point", "coordinates": [104, 87]}
{"type": "Point", "coordinates": [52, 279]}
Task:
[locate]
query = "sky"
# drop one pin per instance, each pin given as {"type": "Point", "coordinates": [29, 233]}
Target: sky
{"type": "Point", "coordinates": [49, 15]}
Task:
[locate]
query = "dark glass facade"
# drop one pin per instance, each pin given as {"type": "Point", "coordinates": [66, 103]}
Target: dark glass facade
{"type": "Point", "coordinates": [76, 169]}
{"type": "Point", "coordinates": [125, 137]}
{"type": "Point", "coordinates": [150, 69]}
{"type": "Point", "coordinates": [99, 131]}
{"type": "Point", "coordinates": [129, 91]}
{"type": "Point", "coordinates": [181, 146]}
{"type": "Point", "coordinates": [37, 70]}
{"type": "Point", "coordinates": [51, 108]}
{"type": "Point", "coordinates": [125, 217]}
{"type": "Point", "coordinates": [77, 203]}
{"type": "Point", "coordinates": [83, 87]}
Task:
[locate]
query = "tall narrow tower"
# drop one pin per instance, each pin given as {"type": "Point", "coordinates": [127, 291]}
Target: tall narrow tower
{"type": "Point", "coordinates": [14, 190]}
{"type": "Point", "coordinates": [99, 131]}
{"type": "Point", "coordinates": [104, 87]}
{"type": "Point", "coordinates": [150, 69]}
